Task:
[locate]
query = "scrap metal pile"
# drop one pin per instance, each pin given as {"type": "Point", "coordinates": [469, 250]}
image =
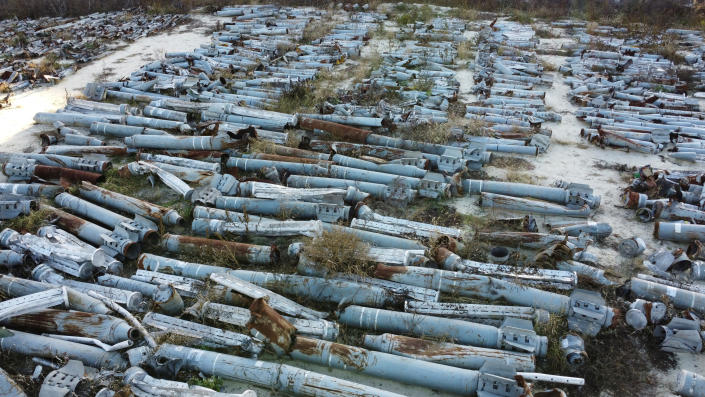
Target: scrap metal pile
{"type": "Point", "coordinates": [419, 72]}
{"type": "Point", "coordinates": [507, 73]}
{"type": "Point", "coordinates": [635, 100]}
{"type": "Point", "coordinates": [39, 51]}
{"type": "Point", "coordinates": [675, 200]}
{"type": "Point", "coordinates": [210, 269]}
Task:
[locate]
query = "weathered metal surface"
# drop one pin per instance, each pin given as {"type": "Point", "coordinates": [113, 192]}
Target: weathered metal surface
{"type": "Point", "coordinates": [513, 335]}
{"type": "Point", "coordinates": [239, 316]}
{"type": "Point", "coordinates": [141, 384]}
{"type": "Point", "coordinates": [689, 384]}
{"type": "Point", "coordinates": [42, 346]}
{"type": "Point", "coordinates": [477, 312]}
{"type": "Point", "coordinates": [33, 302]}
{"type": "Point", "coordinates": [130, 204]}
{"type": "Point", "coordinates": [14, 286]}
{"type": "Point", "coordinates": [280, 377]}
{"type": "Point", "coordinates": [446, 353]}
{"type": "Point", "coordinates": [8, 387]}
{"type": "Point", "coordinates": [202, 334]}
{"type": "Point", "coordinates": [63, 381]}
{"type": "Point", "coordinates": [247, 253]}
{"type": "Point", "coordinates": [383, 365]}
{"type": "Point", "coordinates": [276, 301]}
{"type": "Point", "coordinates": [106, 328]}
{"type": "Point", "coordinates": [339, 131]}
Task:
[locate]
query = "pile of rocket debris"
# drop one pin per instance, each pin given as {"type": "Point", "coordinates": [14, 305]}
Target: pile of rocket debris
{"type": "Point", "coordinates": [511, 108]}
{"type": "Point", "coordinates": [114, 286]}
{"type": "Point", "coordinates": [44, 50]}
{"type": "Point", "coordinates": [419, 72]}
{"type": "Point", "coordinates": [635, 100]}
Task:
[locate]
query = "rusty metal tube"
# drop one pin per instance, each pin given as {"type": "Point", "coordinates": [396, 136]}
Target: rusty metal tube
{"type": "Point", "coordinates": [451, 354]}
{"type": "Point", "coordinates": [526, 205]}
{"type": "Point", "coordinates": [340, 131]}
{"type": "Point", "coordinates": [387, 366]}
{"type": "Point", "coordinates": [93, 233]}
{"type": "Point", "coordinates": [103, 327]}
{"type": "Point", "coordinates": [130, 205]}
{"type": "Point", "coordinates": [240, 252]}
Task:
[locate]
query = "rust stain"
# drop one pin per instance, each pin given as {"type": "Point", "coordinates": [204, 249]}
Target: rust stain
{"type": "Point", "coordinates": [308, 347]}
{"type": "Point", "coordinates": [387, 272]}
{"type": "Point", "coordinates": [338, 130]}
{"type": "Point", "coordinates": [61, 321]}
{"type": "Point", "coordinates": [71, 175]}
{"type": "Point", "coordinates": [351, 356]}
{"type": "Point", "coordinates": [240, 251]}
{"type": "Point", "coordinates": [271, 324]}
{"type": "Point", "coordinates": [67, 221]}
{"type": "Point", "coordinates": [290, 159]}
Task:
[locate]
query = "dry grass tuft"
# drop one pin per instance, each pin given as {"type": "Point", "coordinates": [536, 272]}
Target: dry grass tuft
{"type": "Point", "coordinates": [519, 177]}
{"type": "Point", "coordinates": [555, 329]}
{"type": "Point", "coordinates": [4, 88]}
{"type": "Point", "coordinates": [438, 133]}
{"type": "Point", "coordinates": [339, 252]}
{"type": "Point", "coordinates": [548, 66]}
{"type": "Point", "coordinates": [262, 146]}
{"type": "Point", "coordinates": [366, 65]}
{"type": "Point", "coordinates": [316, 30]}
{"type": "Point", "coordinates": [475, 127]}
{"type": "Point", "coordinates": [49, 64]}
{"type": "Point", "coordinates": [514, 163]}
{"type": "Point", "coordinates": [465, 50]}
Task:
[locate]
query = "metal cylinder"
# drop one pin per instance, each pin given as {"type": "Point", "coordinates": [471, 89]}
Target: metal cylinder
{"type": "Point", "coordinates": [281, 377]}
{"type": "Point", "coordinates": [690, 384]}
{"type": "Point", "coordinates": [676, 231]}
{"type": "Point", "coordinates": [445, 353]}
{"type": "Point", "coordinates": [15, 287]}
{"type": "Point", "coordinates": [476, 286]}
{"type": "Point", "coordinates": [241, 252]}
{"type": "Point", "coordinates": [45, 347]}
{"type": "Point", "coordinates": [387, 366]}
{"type": "Point", "coordinates": [99, 214]}
{"type": "Point", "coordinates": [130, 204]}
{"type": "Point", "coordinates": [679, 297]}
{"type": "Point", "coordinates": [105, 328]}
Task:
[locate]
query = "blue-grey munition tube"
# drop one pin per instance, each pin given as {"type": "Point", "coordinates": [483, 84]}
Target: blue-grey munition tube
{"type": "Point", "coordinates": [281, 377]}
{"type": "Point", "coordinates": [388, 366]}
{"type": "Point", "coordinates": [45, 347]}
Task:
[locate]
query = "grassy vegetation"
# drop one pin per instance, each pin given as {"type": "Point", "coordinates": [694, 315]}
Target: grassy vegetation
{"type": "Point", "coordinates": [510, 162]}
{"type": "Point", "coordinates": [406, 14]}
{"type": "Point", "coordinates": [211, 382]}
{"type": "Point", "coordinates": [316, 30]}
{"type": "Point", "coordinates": [127, 183]}
{"type": "Point", "coordinates": [338, 251]}
{"type": "Point", "coordinates": [432, 133]}
{"type": "Point", "coordinates": [520, 177]}
{"type": "Point", "coordinates": [28, 223]}
{"type": "Point", "coordinates": [465, 50]}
